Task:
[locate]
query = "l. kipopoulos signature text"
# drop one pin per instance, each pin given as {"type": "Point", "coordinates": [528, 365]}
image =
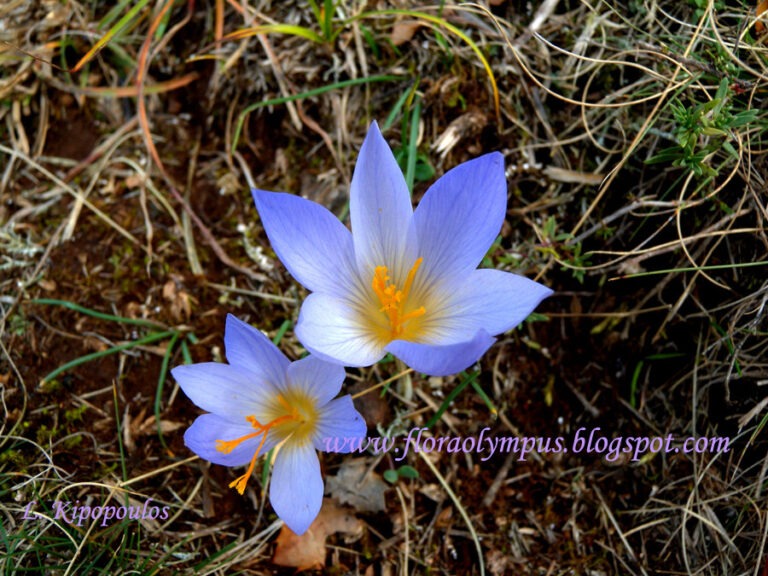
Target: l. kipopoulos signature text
{"type": "Point", "coordinates": [77, 514]}
{"type": "Point", "coordinates": [486, 445]}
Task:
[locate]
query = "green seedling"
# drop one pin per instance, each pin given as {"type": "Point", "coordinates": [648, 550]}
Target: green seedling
{"type": "Point", "coordinates": [394, 475]}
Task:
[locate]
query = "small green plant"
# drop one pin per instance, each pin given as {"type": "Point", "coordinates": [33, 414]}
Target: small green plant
{"type": "Point", "coordinates": [74, 415]}
{"type": "Point", "coordinates": [324, 17]}
{"type": "Point", "coordinates": [701, 6]}
{"type": "Point", "coordinates": [703, 130]}
{"type": "Point", "coordinates": [564, 249]}
{"type": "Point", "coordinates": [393, 475]}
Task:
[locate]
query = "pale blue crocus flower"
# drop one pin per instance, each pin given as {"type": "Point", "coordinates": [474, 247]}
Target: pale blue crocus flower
{"type": "Point", "coordinates": [403, 281]}
{"type": "Point", "coordinates": [260, 401]}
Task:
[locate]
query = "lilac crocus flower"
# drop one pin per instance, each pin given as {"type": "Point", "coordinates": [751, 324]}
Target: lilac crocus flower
{"type": "Point", "coordinates": [260, 401]}
{"type": "Point", "coordinates": [402, 281]}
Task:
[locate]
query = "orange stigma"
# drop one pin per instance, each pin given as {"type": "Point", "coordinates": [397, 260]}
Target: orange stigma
{"type": "Point", "coordinates": [226, 446]}
{"type": "Point", "coordinates": [393, 300]}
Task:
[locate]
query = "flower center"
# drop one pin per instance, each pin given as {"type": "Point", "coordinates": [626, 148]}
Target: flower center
{"type": "Point", "coordinates": [393, 300]}
{"type": "Point", "coordinates": [292, 416]}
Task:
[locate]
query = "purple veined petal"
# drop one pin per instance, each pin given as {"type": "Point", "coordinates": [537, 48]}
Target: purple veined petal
{"type": "Point", "coordinates": [333, 330]}
{"type": "Point", "coordinates": [310, 241]}
{"type": "Point", "coordinates": [249, 350]}
{"type": "Point", "coordinates": [493, 300]}
{"type": "Point", "coordinates": [339, 427]}
{"type": "Point", "coordinates": [444, 359]}
{"type": "Point", "coordinates": [459, 218]}
{"type": "Point", "coordinates": [224, 390]}
{"type": "Point", "coordinates": [380, 210]}
{"type": "Point", "coordinates": [319, 379]}
{"type": "Point", "coordinates": [296, 489]}
{"type": "Point", "coordinates": [206, 429]}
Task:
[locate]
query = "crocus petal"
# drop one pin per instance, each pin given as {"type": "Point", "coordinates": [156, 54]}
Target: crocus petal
{"type": "Point", "coordinates": [310, 241]}
{"type": "Point", "coordinates": [249, 350]}
{"type": "Point", "coordinates": [380, 209]}
{"type": "Point", "coordinates": [442, 360]}
{"type": "Point", "coordinates": [339, 427]}
{"type": "Point", "coordinates": [459, 218]}
{"type": "Point", "coordinates": [493, 300]}
{"type": "Point", "coordinates": [319, 379]}
{"type": "Point", "coordinates": [201, 438]}
{"type": "Point", "coordinates": [296, 490]}
{"type": "Point", "coordinates": [331, 329]}
{"type": "Point", "coordinates": [223, 389]}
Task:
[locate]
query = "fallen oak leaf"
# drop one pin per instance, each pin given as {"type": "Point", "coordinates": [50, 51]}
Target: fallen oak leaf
{"type": "Point", "coordinates": [307, 552]}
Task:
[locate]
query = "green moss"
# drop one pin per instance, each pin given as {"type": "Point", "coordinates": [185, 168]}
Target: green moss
{"type": "Point", "coordinates": [13, 457]}
{"type": "Point", "coordinates": [75, 414]}
{"type": "Point", "coordinates": [73, 442]}
{"type": "Point", "coordinates": [50, 386]}
{"type": "Point", "coordinates": [45, 435]}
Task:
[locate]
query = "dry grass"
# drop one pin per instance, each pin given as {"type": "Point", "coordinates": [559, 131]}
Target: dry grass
{"type": "Point", "coordinates": [635, 139]}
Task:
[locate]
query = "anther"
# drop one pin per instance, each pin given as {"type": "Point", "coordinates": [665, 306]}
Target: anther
{"type": "Point", "coordinates": [226, 446]}
{"type": "Point", "coordinates": [393, 300]}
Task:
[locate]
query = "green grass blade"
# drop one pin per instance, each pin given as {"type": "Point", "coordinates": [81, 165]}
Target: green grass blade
{"type": "Point", "coordinates": [160, 385]}
{"type": "Point", "coordinates": [308, 94]}
{"type": "Point", "coordinates": [315, 10]}
{"type": "Point", "coordinates": [266, 466]}
{"type": "Point", "coordinates": [289, 29]}
{"type": "Point", "coordinates": [328, 20]}
{"type": "Point", "coordinates": [451, 397]}
{"type": "Point", "coordinates": [633, 384]}
{"type": "Point", "coordinates": [392, 116]}
{"type": "Point", "coordinates": [122, 23]}
{"type": "Point", "coordinates": [185, 353]}
{"type": "Point", "coordinates": [219, 553]}
{"type": "Point", "coordinates": [116, 10]}
{"type": "Point", "coordinates": [410, 167]}
{"type": "Point", "coordinates": [284, 327]}
{"type": "Point", "coordinates": [115, 403]}
{"type": "Point", "coordinates": [97, 314]}
{"type": "Point", "coordinates": [488, 402]}
{"type": "Point", "coordinates": [120, 347]}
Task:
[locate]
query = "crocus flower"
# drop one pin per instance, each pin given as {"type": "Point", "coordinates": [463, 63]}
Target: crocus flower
{"type": "Point", "coordinates": [402, 281]}
{"type": "Point", "coordinates": [260, 401]}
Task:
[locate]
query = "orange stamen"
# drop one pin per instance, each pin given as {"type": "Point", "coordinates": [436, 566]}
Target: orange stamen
{"type": "Point", "coordinates": [226, 446]}
{"type": "Point", "coordinates": [393, 300]}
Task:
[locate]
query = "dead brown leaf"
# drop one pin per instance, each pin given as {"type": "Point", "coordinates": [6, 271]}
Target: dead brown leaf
{"type": "Point", "coordinates": [351, 485]}
{"type": "Point", "coordinates": [134, 181]}
{"type": "Point", "coordinates": [499, 562]}
{"type": "Point", "coordinates": [307, 551]}
{"type": "Point", "coordinates": [445, 518]}
{"type": "Point", "coordinates": [149, 426]}
{"type": "Point", "coordinates": [93, 343]}
{"type": "Point", "coordinates": [465, 126]}
{"type": "Point", "coordinates": [180, 301]}
{"type": "Point", "coordinates": [48, 285]}
{"type": "Point", "coordinates": [762, 7]}
{"type": "Point", "coordinates": [404, 30]}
